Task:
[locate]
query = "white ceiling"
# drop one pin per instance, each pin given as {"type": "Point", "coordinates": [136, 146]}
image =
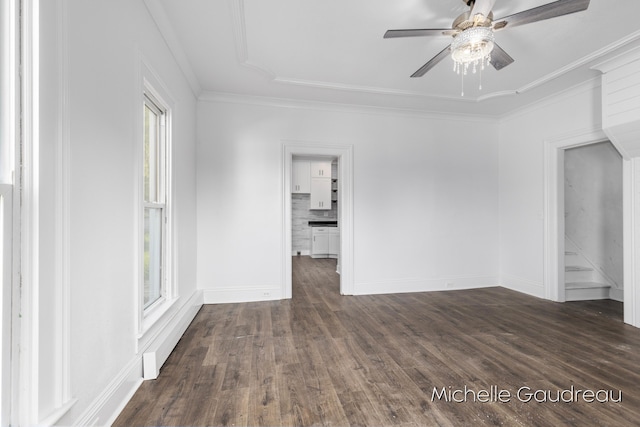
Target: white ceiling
{"type": "Point", "coordinates": [333, 50]}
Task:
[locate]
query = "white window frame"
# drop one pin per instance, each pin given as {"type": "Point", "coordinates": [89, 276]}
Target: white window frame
{"type": "Point", "coordinates": [151, 88]}
{"type": "Point", "coordinates": [160, 202]}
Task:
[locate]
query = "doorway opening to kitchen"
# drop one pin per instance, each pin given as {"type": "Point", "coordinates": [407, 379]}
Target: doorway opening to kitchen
{"type": "Point", "coordinates": [315, 231]}
{"type": "Point", "coordinates": [318, 215]}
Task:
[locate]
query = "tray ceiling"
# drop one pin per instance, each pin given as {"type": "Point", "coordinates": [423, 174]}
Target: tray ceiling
{"type": "Point", "coordinates": [333, 51]}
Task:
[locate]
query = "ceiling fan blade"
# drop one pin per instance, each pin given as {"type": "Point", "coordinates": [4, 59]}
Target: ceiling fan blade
{"type": "Point", "coordinates": [500, 58]}
{"type": "Point", "coordinates": [416, 33]}
{"type": "Point", "coordinates": [432, 62]}
{"type": "Point", "coordinates": [540, 13]}
{"type": "Point", "coordinates": [482, 7]}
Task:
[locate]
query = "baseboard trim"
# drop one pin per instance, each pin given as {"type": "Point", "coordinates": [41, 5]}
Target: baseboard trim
{"type": "Point", "coordinates": [242, 294]}
{"type": "Point", "coordinates": [164, 343]}
{"type": "Point", "coordinates": [424, 285]}
{"type": "Point", "coordinates": [109, 404]}
{"type": "Point", "coordinates": [524, 286]}
{"type": "Point", "coordinates": [616, 294]}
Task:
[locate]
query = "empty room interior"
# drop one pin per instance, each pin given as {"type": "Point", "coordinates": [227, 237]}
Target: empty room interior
{"type": "Point", "coordinates": [241, 212]}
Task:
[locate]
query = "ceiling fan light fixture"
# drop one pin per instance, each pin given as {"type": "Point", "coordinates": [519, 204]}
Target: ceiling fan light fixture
{"type": "Point", "coordinates": [472, 48]}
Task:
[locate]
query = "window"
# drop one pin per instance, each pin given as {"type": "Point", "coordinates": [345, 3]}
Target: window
{"type": "Point", "coordinates": [155, 203]}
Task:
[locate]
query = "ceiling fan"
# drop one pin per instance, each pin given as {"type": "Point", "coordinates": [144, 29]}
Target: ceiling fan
{"type": "Point", "coordinates": [473, 42]}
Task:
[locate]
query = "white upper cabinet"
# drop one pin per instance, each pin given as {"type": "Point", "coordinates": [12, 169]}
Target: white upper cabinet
{"type": "Point", "coordinates": [301, 176]}
{"type": "Point", "coordinates": [320, 194]}
{"type": "Point", "coordinates": [321, 169]}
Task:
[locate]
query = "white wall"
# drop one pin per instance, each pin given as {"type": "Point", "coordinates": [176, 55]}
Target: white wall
{"type": "Point", "coordinates": [425, 195]}
{"type": "Point", "coordinates": [593, 206]}
{"type": "Point", "coordinates": [522, 143]}
{"type": "Point", "coordinates": [91, 54]}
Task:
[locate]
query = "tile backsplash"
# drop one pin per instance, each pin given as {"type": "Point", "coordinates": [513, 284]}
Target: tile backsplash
{"type": "Point", "coordinates": [300, 217]}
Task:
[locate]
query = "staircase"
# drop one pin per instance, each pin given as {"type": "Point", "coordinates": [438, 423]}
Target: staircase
{"type": "Point", "coordinates": [581, 281]}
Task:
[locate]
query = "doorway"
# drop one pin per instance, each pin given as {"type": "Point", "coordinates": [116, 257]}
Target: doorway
{"type": "Point", "coordinates": [344, 210]}
{"type": "Point", "coordinates": [554, 216]}
{"type": "Point", "coordinates": [593, 216]}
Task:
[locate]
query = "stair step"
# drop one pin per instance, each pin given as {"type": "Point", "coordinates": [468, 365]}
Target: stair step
{"type": "Point", "coordinates": [585, 291]}
{"type": "Point", "coordinates": [577, 268]}
{"type": "Point", "coordinates": [585, 285]}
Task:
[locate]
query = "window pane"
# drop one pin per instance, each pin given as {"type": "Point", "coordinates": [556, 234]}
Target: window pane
{"type": "Point", "coordinates": [151, 155]}
{"type": "Point", "coordinates": [152, 255]}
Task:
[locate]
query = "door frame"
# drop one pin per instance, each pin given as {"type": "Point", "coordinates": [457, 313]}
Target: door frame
{"type": "Point", "coordinates": [344, 153]}
{"type": "Point", "coordinates": [554, 216]}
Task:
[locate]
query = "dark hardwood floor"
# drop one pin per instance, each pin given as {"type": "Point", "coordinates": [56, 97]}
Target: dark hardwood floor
{"type": "Point", "coordinates": [326, 359]}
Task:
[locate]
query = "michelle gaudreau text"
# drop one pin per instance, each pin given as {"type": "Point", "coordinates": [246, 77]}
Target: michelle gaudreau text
{"type": "Point", "coordinates": [525, 394]}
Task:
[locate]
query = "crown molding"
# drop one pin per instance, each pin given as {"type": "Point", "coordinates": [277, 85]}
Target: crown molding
{"type": "Point", "coordinates": [159, 16]}
{"type": "Point", "coordinates": [618, 61]}
{"type": "Point", "coordinates": [369, 89]}
{"type": "Point", "coordinates": [582, 61]}
{"type": "Point", "coordinates": [266, 101]}
{"type": "Point", "coordinates": [590, 85]}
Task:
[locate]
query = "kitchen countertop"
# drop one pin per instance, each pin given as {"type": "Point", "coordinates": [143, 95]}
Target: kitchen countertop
{"type": "Point", "coordinates": [327, 223]}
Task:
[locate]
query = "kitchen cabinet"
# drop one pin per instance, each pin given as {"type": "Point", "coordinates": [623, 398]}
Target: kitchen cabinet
{"type": "Point", "coordinates": [301, 177]}
{"type": "Point", "coordinates": [325, 242]}
{"type": "Point", "coordinates": [320, 194]}
{"type": "Point", "coordinates": [321, 169]}
{"type": "Point", "coordinates": [319, 242]}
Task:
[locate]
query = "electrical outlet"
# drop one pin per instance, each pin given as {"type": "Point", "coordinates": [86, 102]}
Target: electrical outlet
{"type": "Point", "coordinates": [450, 285]}
{"type": "Point", "coordinates": [266, 294]}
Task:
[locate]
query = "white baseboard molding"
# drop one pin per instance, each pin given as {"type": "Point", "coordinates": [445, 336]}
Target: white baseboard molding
{"type": "Point", "coordinates": [107, 406]}
{"type": "Point", "coordinates": [242, 294]}
{"type": "Point", "coordinates": [163, 344]}
{"type": "Point", "coordinates": [305, 252]}
{"type": "Point", "coordinates": [616, 294]}
{"type": "Point", "coordinates": [424, 285]}
{"type": "Point", "coordinates": [525, 286]}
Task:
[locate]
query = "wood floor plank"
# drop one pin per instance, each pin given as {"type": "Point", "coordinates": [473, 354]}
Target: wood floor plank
{"type": "Point", "coordinates": [326, 359]}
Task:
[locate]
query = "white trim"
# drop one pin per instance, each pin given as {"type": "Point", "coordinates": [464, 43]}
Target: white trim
{"type": "Point", "coordinates": [159, 15]}
{"type": "Point", "coordinates": [148, 81]}
{"type": "Point", "coordinates": [398, 286]}
{"type": "Point", "coordinates": [581, 61]}
{"type": "Point", "coordinates": [524, 286]}
{"type": "Point", "coordinates": [630, 169]}
{"type": "Point", "coordinates": [620, 60]}
{"type": "Point", "coordinates": [233, 295]}
{"type": "Point", "coordinates": [268, 101]}
{"type": "Point", "coordinates": [6, 278]}
{"type": "Point", "coordinates": [58, 413]}
{"type": "Point", "coordinates": [344, 153]}
{"type": "Point", "coordinates": [240, 39]}
{"type": "Point", "coordinates": [10, 251]}
{"type": "Point", "coordinates": [30, 234]}
{"type": "Point", "coordinates": [590, 85]}
{"type": "Point", "coordinates": [63, 396]}
{"type": "Point", "coordinates": [106, 407]}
